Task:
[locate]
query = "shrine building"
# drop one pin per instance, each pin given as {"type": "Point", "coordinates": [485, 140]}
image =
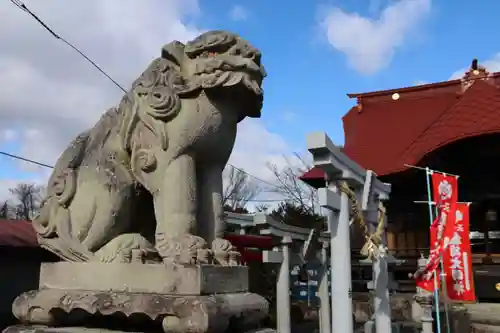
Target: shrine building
{"type": "Point", "coordinates": [451, 126]}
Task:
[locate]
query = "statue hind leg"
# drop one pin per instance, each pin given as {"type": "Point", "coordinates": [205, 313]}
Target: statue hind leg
{"type": "Point", "coordinates": [101, 222]}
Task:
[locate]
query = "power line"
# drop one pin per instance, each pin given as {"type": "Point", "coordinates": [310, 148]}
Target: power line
{"type": "Point", "coordinates": [19, 4]}
{"type": "Point", "coordinates": [254, 177]}
{"type": "Point", "coordinates": [17, 157]}
{"type": "Point", "coordinates": [24, 159]}
{"type": "Point", "coordinates": [24, 8]}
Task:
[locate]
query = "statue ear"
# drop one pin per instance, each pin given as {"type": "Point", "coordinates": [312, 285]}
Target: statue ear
{"type": "Point", "coordinates": [174, 52]}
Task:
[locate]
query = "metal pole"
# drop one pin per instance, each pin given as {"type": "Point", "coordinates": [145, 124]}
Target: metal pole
{"type": "Point", "coordinates": [283, 287]}
{"type": "Point", "coordinates": [340, 269]}
{"type": "Point", "coordinates": [431, 217]}
{"type": "Point", "coordinates": [324, 309]}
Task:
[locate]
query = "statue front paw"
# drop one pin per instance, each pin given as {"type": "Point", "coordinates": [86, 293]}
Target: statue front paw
{"type": "Point", "coordinates": [180, 250]}
{"type": "Point", "coordinates": [205, 256]}
{"type": "Point", "coordinates": [125, 248]}
{"type": "Point", "coordinates": [225, 254]}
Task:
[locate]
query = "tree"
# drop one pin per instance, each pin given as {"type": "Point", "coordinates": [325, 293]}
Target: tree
{"type": "Point", "coordinates": [298, 216]}
{"type": "Point", "coordinates": [300, 206]}
{"type": "Point", "coordinates": [5, 210]}
{"type": "Point", "coordinates": [28, 197]}
{"type": "Point", "coordinates": [239, 189]}
{"type": "Point", "coordinates": [288, 184]}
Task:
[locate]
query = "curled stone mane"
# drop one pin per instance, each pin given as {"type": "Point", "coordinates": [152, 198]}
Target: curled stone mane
{"type": "Point", "coordinates": [152, 100]}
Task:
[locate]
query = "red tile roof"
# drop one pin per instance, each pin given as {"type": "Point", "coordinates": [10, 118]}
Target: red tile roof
{"type": "Point", "coordinates": [476, 113]}
{"type": "Point", "coordinates": [384, 132]}
{"type": "Point", "coordinates": [17, 233]}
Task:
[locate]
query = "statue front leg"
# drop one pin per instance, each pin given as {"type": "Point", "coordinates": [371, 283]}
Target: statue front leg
{"type": "Point", "coordinates": [211, 221]}
{"type": "Point", "coordinates": [175, 204]}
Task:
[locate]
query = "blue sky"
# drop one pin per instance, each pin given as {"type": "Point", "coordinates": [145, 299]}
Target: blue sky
{"type": "Point", "coordinates": [309, 78]}
{"type": "Point", "coordinates": [315, 52]}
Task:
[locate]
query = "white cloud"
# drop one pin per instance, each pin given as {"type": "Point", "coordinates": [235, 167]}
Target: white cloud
{"type": "Point", "coordinates": [370, 44]}
{"type": "Point", "coordinates": [420, 83]}
{"type": "Point", "coordinates": [238, 13]}
{"type": "Point", "coordinates": [492, 65]}
{"type": "Point", "coordinates": [290, 117]}
{"type": "Point", "coordinates": [7, 135]}
{"type": "Point", "coordinates": [50, 94]}
{"type": "Point", "coordinates": [374, 6]}
{"type": "Point", "coordinates": [255, 146]}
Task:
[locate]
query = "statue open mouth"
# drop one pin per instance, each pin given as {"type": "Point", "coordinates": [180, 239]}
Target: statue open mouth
{"type": "Point", "coordinates": [222, 59]}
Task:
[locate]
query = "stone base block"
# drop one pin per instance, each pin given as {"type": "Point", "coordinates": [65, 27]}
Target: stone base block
{"type": "Point", "coordinates": [119, 310]}
{"type": "Point", "coordinates": [145, 278]}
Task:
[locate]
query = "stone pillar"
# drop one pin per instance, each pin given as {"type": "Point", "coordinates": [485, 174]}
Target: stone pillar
{"type": "Point", "coordinates": [381, 301]}
{"type": "Point", "coordinates": [340, 266]}
{"type": "Point", "coordinates": [324, 297]}
{"type": "Point", "coordinates": [283, 288]}
{"type": "Point", "coordinates": [370, 205]}
{"type": "Point", "coordinates": [424, 303]}
{"type": "Point", "coordinates": [338, 167]}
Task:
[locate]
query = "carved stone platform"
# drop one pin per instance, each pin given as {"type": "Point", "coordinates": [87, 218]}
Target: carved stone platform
{"type": "Point", "coordinates": [108, 309]}
{"type": "Point", "coordinates": [77, 297]}
{"type": "Point", "coordinates": [145, 278]}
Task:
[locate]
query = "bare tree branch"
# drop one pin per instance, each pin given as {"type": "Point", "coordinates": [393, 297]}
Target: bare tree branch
{"type": "Point", "coordinates": [291, 187]}
{"type": "Point", "coordinates": [239, 189]}
{"type": "Point", "coordinates": [5, 210]}
{"type": "Point", "coordinates": [28, 197]}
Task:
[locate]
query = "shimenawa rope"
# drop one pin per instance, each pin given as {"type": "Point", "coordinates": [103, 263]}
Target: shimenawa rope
{"type": "Point", "coordinates": [373, 246]}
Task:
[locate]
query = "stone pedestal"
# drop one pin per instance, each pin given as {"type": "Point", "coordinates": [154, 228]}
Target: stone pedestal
{"type": "Point", "coordinates": [145, 278]}
{"type": "Point", "coordinates": [75, 297]}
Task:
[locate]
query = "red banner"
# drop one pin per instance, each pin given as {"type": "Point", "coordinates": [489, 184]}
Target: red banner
{"type": "Point", "coordinates": [445, 194]}
{"type": "Point", "coordinates": [457, 259]}
{"type": "Point", "coordinates": [426, 279]}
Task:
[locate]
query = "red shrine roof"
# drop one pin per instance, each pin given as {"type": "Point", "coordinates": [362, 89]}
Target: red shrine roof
{"type": "Point", "coordinates": [17, 233]}
{"type": "Point", "coordinates": [388, 129]}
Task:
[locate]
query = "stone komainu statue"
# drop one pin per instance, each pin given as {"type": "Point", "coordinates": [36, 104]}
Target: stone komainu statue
{"type": "Point", "coordinates": [148, 175]}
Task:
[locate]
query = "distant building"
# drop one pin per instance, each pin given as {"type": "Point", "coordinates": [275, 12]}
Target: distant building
{"type": "Point", "coordinates": [20, 258]}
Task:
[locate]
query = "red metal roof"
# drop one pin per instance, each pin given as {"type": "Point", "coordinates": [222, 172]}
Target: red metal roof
{"type": "Point", "coordinates": [257, 241]}
{"type": "Point", "coordinates": [17, 233]}
{"type": "Point", "coordinates": [384, 132]}
{"type": "Point", "coordinates": [314, 177]}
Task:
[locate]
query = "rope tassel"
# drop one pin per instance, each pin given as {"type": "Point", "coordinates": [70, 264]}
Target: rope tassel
{"type": "Point", "coordinates": [373, 247]}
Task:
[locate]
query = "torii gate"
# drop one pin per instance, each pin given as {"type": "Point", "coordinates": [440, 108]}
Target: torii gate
{"type": "Point", "coordinates": [370, 191]}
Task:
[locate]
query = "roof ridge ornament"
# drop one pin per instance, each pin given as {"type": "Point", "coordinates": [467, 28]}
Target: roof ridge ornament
{"type": "Point", "coordinates": [359, 104]}
{"type": "Point", "coordinates": [475, 72]}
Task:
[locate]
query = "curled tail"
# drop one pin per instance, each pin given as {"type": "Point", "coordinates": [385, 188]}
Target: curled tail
{"type": "Point", "coordinates": [54, 218]}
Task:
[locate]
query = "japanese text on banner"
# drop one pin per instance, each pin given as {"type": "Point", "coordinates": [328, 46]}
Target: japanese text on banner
{"type": "Point", "coordinates": [445, 194]}
{"type": "Point", "coordinates": [457, 259]}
